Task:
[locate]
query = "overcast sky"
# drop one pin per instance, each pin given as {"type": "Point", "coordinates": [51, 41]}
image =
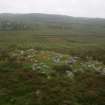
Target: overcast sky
{"type": "Point", "coordinates": [81, 8]}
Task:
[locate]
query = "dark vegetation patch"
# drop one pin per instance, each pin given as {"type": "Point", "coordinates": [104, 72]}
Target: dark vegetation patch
{"type": "Point", "coordinates": [20, 86]}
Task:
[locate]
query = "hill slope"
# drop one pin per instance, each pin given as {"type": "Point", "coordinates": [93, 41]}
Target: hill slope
{"type": "Point", "coordinates": [51, 31]}
{"type": "Point", "coordinates": [9, 22]}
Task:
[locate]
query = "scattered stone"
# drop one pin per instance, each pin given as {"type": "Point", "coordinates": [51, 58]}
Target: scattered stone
{"type": "Point", "coordinates": [21, 52]}
{"type": "Point", "coordinates": [34, 66]}
{"type": "Point", "coordinates": [56, 59]}
{"type": "Point", "coordinates": [70, 74]}
{"type": "Point", "coordinates": [38, 92]}
{"type": "Point", "coordinates": [71, 61]}
{"type": "Point", "coordinates": [103, 72]}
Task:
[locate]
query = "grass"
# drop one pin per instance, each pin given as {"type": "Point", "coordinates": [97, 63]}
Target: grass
{"type": "Point", "coordinates": [35, 64]}
{"type": "Point", "coordinates": [29, 88]}
{"type": "Point", "coordinates": [27, 39]}
{"type": "Point", "coordinates": [20, 85]}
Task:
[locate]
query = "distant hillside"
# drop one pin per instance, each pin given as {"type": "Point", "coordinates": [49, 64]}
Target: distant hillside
{"type": "Point", "coordinates": [46, 22]}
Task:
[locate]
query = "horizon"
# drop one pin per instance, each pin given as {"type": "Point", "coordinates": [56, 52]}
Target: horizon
{"type": "Point", "coordinates": [74, 8]}
{"type": "Point", "coordinates": [52, 14]}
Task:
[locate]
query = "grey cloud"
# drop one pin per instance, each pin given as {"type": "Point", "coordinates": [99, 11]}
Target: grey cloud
{"type": "Point", "coordinates": [82, 8]}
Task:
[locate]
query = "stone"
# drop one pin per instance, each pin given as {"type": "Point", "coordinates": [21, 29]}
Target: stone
{"type": "Point", "coordinates": [34, 66]}
{"type": "Point", "coordinates": [70, 74]}
{"type": "Point", "coordinates": [71, 61]}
